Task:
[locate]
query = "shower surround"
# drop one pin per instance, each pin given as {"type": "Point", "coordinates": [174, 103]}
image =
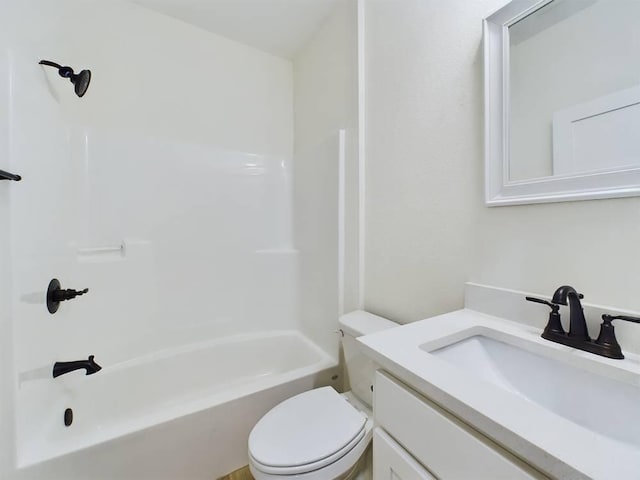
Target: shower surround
{"type": "Point", "coordinates": [167, 191]}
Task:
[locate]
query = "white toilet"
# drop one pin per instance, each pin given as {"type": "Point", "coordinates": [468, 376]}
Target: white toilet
{"type": "Point", "coordinates": [321, 434]}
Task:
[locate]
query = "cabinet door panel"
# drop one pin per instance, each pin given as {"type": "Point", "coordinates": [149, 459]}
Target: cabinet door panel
{"type": "Point", "coordinates": [441, 442]}
{"type": "Point", "coordinates": [391, 462]}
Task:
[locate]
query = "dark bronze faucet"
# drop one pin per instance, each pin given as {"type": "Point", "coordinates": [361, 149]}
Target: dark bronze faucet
{"type": "Point", "coordinates": [577, 323]}
{"type": "Point", "coordinates": [578, 336]}
{"type": "Point", "coordinates": [91, 367]}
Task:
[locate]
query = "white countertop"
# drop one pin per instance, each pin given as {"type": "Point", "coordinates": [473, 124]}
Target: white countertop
{"type": "Point", "coordinates": [555, 445]}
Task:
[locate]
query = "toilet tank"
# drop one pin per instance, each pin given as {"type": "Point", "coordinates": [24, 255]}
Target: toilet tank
{"type": "Point", "coordinates": [360, 369]}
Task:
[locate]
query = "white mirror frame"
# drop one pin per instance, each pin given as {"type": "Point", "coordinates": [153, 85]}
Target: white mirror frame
{"type": "Point", "coordinates": [499, 190]}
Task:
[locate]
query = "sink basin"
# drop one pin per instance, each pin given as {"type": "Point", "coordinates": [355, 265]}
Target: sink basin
{"type": "Point", "coordinates": [603, 405]}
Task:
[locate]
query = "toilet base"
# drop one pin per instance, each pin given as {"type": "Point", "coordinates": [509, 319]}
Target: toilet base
{"type": "Point", "coordinates": [363, 470]}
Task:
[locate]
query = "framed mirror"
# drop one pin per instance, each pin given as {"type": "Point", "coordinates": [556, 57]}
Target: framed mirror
{"type": "Point", "coordinates": [562, 101]}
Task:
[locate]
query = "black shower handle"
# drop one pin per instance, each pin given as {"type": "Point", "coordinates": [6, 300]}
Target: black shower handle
{"type": "Point", "coordinates": [9, 176]}
{"type": "Point", "coordinates": [57, 294]}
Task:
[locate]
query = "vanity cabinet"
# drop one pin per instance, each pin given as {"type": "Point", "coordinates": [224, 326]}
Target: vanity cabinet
{"type": "Point", "coordinates": [392, 462]}
{"type": "Point", "coordinates": [440, 442]}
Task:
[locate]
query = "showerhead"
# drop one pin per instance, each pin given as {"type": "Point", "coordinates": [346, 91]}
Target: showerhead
{"type": "Point", "coordinates": [80, 80]}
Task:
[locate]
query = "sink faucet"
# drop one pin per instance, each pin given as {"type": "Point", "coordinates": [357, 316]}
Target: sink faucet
{"type": "Point", "coordinates": [578, 336]}
{"type": "Point", "coordinates": [91, 367]}
{"type": "Point", "coordinates": [577, 323]}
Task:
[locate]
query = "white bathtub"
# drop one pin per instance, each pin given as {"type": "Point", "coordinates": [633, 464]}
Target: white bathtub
{"type": "Point", "coordinates": [182, 414]}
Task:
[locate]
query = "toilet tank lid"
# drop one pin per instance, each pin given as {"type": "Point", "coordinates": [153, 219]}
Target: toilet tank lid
{"type": "Point", "coordinates": [359, 323]}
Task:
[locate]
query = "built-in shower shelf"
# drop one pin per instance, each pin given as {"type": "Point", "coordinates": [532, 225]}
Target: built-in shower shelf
{"type": "Point", "coordinates": [277, 251]}
{"type": "Point", "coordinates": [109, 253]}
{"type": "Point", "coordinates": [104, 253]}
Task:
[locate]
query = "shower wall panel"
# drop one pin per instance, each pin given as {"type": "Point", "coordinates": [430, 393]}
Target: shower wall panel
{"type": "Point", "coordinates": [165, 190]}
{"type": "Point", "coordinates": [6, 345]}
{"type": "Point", "coordinates": [154, 75]}
{"type": "Point", "coordinates": [177, 242]}
{"type": "Point", "coordinates": [317, 210]}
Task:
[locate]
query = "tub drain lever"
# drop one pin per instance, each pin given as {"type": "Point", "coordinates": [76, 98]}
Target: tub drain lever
{"type": "Point", "coordinates": [56, 294]}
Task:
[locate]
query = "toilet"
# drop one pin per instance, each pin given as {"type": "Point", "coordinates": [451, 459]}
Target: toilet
{"type": "Point", "coordinates": [321, 434]}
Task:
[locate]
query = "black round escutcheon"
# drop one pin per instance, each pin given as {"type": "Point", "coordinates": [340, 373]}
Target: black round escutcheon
{"type": "Point", "coordinates": [56, 294]}
{"type": "Point", "coordinates": [52, 303]}
{"type": "Point", "coordinates": [68, 417]}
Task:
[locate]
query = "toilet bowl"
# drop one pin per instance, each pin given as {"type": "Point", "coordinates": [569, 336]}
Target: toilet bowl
{"type": "Point", "coordinates": [321, 434]}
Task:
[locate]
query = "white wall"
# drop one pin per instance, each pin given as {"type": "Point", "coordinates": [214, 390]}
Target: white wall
{"type": "Point", "coordinates": [325, 74]}
{"type": "Point", "coordinates": [325, 79]}
{"type": "Point", "coordinates": [423, 152]}
{"type": "Point", "coordinates": [181, 149]}
{"type": "Point", "coordinates": [427, 228]}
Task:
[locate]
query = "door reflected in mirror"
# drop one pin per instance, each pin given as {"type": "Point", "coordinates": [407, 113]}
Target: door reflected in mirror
{"type": "Point", "coordinates": [574, 90]}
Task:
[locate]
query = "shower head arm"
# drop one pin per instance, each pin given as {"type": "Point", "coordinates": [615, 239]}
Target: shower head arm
{"type": "Point", "coordinates": [50, 64]}
{"type": "Point", "coordinates": [64, 72]}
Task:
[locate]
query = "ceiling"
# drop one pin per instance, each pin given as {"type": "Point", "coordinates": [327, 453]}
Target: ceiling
{"type": "Point", "coordinates": [280, 27]}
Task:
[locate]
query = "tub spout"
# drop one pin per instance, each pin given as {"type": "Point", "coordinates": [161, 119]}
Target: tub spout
{"type": "Point", "coordinates": [91, 367]}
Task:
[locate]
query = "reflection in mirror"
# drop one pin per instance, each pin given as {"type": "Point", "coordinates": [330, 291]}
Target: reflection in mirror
{"type": "Point", "coordinates": [574, 89]}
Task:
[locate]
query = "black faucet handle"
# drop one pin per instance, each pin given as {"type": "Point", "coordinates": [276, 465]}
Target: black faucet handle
{"type": "Point", "coordinates": [62, 295]}
{"type": "Point", "coordinates": [57, 294]}
{"type": "Point", "coordinates": [9, 176]}
{"type": "Point", "coordinates": [607, 338]}
{"type": "Point", "coordinates": [554, 306]}
{"type": "Point", "coordinates": [608, 318]}
{"type": "Point", "coordinates": [554, 326]}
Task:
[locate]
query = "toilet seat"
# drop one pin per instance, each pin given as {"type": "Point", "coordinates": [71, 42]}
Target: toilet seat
{"type": "Point", "coordinates": [311, 431]}
{"type": "Point", "coordinates": [340, 469]}
{"type": "Point", "coordinates": [310, 467]}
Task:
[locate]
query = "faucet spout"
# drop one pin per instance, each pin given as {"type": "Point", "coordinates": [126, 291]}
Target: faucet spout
{"type": "Point", "coordinates": [577, 323]}
{"type": "Point", "coordinates": [91, 367]}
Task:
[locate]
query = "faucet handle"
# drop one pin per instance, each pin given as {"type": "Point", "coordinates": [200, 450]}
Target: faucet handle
{"type": "Point", "coordinates": [608, 318]}
{"type": "Point", "coordinates": [554, 326]}
{"type": "Point", "coordinates": [57, 294]}
{"type": "Point", "coordinates": [554, 306]}
{"type": "Point", "coordinates": [607, 337]}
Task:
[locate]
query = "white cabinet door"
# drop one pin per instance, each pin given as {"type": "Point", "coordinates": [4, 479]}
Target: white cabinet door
{"type": "Point", "coordinates": [391, 462]}
{"type": "Point", "coordinates": [445, 445]}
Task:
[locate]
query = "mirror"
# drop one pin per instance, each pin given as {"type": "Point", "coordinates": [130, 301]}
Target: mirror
{"type": "Point", "coordinates": [562, 101]}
